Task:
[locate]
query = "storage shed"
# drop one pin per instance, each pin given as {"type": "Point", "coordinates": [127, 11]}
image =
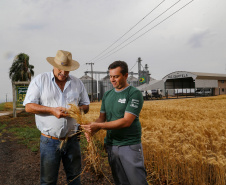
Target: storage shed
{"type": "Point", "coordinates": [195, 82]}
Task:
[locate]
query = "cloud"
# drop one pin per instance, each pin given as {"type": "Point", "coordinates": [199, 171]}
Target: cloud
{"type": "Point", "coordinates": [9, 55]}
{"type": "Point", "coordinates": [39, 28]}
{"type": "Point", "coordinates": [32, 26]}
{"type": "Point", "coordinates": [199, 37]}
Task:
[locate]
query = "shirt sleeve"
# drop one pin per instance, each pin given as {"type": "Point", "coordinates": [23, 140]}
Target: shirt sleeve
{"type": "Point", "coordinates": [135, 103]}
{"type": "Point", "coordinates": [84, 98]}
{"type": "Point", "coordinates": [33, 93]}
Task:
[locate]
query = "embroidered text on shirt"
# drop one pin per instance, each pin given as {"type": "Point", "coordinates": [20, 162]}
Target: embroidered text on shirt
{"type": "Point", "coordinates": [134, 103]}
{"type": "Point", "coordinates": [122, 100]}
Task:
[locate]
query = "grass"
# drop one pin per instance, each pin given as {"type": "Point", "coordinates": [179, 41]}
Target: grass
{"type": "Point", "coordinates": [27, 136]}
{"type": "Point", "coordinates": [2, 106]}
{"type": "Point", "coordinates": [2, 126]}
{"type": "Point", "coordinates": [23, 128]}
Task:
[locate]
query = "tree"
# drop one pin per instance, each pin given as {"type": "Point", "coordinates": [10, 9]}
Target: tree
{"type": "Point", "coordinates": [21, 70]}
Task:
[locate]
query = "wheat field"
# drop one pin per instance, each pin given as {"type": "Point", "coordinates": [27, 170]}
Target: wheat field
{"type": "Point", "coordinates": [184, 140]}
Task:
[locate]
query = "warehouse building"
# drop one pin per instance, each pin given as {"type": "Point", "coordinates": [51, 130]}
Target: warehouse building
{"type": "Point", "coordinates": [195, 83]}
{"type": "Point", "coordinates": [174, 84]}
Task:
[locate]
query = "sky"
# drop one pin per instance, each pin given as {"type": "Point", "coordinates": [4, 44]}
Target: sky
{"type": "Point", "coordinates": [168, 35]}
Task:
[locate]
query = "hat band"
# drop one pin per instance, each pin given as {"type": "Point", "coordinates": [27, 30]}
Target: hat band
{"type": "Point", "coordinates": [62, 62]}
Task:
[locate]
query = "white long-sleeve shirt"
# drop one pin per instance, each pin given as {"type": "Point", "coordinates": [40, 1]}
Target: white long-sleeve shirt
{"type": "Point", "coordinates": [43, 90]}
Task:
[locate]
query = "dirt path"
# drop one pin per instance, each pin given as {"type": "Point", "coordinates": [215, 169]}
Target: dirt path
{"type": "Point", "coordinates": [18, 165]}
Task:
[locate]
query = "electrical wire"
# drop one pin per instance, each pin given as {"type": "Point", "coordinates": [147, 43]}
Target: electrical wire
{"type": "Point", "coordinates": [139, 30]}
{"type": "Point", "coordinates": [133, 66]}
{"type": "Point", "coordinates": [127, 31]}
{"type": "Point", "coordinates": [101, 58]}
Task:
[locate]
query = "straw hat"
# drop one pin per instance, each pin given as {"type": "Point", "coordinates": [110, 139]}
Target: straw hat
{"type": "Point", "coordinates": [63, 60]}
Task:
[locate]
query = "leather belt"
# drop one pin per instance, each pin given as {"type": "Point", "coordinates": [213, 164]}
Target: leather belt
{"type": "Point", "coordinates": [51, 137]}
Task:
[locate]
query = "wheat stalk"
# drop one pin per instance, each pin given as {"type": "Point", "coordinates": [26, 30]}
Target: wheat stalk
{"type": "Point", "coordinates": [93, 157]}
{"type": "Point", "coordinates": [184, 140]}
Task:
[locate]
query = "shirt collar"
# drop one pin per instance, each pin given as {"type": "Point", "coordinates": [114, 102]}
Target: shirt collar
{"type": "Point", "coordinates": [122, 89]}
{"type": "Point", "coordinates": [53, 77]}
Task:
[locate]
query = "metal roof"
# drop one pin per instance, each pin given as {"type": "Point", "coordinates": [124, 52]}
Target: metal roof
{"type": "Point", "coordinates": [132, 78]}
{"type": "Point", "coordinates": [86, 77]}
{"type": "Point", "coordinates": [106, 78]}
{"type": "Point", "coordinates": [214, 76]}
{"type": "Point", "coordinates": [195, 75]}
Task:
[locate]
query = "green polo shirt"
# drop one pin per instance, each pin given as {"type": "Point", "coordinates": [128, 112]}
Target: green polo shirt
{"type": "Point", "coordinates": [115, 104]}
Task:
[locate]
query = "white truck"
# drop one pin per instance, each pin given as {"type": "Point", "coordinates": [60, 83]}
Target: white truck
{"type": "Point", "coordinates": [203, 92]}
{"type": "Point", "coordinates": [150, 94]}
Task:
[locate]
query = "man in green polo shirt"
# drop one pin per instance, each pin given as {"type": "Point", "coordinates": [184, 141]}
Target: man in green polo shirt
{"type": "Point", "coordinates": [119, 115]}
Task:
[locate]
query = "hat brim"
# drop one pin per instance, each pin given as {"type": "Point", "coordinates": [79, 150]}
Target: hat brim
{"type": "Point", "coordinates": [72, 64]}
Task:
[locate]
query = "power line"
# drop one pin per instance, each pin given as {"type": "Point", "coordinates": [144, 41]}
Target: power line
{"type": "Point", "coordinates": [101, 58]}
{"type": "Point", "coordinates": [133, 66]}
{"type": "Point", "coordinates": [82, 66]}
{"type": "Point", "coordinates": [128, 31]}
{"type": "Point", "coordinates": [139, 30]}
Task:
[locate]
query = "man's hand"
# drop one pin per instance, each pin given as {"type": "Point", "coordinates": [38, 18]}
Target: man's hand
{"type": "Point", "coordinates": [92, 128]}
{"type": "Point", "coordinates": [59, 112]}
{"type": "Point", "coordinates": [87, 136]}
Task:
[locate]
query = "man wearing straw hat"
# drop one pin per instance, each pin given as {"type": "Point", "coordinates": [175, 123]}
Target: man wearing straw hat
{"type": "Point", "coordinates": [47, 97]}
{"type": "Point", "coordinates": [119, 115]}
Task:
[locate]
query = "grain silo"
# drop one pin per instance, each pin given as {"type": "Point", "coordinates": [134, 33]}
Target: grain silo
{"type": "Point", "coordinates": [133, 81]}
{"type": "Point", "coordinates": [106, 84]}
{"type": "Point", "coordinates": [87, 81]}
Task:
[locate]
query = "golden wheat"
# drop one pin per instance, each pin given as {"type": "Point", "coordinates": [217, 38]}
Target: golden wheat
{"type": "Point", "coordinates": [92, 157]}
{"type": "Point", "coordinates": [184, 140]}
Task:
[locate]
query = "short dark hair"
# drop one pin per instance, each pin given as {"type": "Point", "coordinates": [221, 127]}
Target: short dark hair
{"type": "Point", "coordinates": [122, 64]}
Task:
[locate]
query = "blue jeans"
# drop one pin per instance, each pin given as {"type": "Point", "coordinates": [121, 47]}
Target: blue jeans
{"type": "Point", "coordinates": [51, 156]}
{"type": "Point", "coordinates": [127, 164]}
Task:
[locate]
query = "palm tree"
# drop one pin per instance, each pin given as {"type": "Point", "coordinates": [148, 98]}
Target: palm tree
{"type": "Point", "coordinates": [21, 70]}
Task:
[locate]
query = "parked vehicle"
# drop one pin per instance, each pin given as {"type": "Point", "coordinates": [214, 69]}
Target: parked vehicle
{"type": "Point", "coordinates": [203, 92]}
{"type": "Point", "coordinates": [147, 94]}
{"type": "Point", "coordinates": [150, 94]}
{"type": "Point", "coordinates": [156, 93]}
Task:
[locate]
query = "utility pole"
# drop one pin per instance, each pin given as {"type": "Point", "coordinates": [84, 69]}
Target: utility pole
{"type": "Point", "coordinates": [139, 67]}
{"type": "Point", "coordinates": [139, 70]}
{"type": "Point", "coordinates": [92, 79]}
{"type": "Point", "coordinates": [147, 74]}
{"type": "Point", "coordinates": [6, 97]}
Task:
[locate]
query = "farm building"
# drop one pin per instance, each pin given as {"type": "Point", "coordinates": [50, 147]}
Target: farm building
{"type": "Point", "coordinates": [201, 83]}
{"type": "Point", "coordinates": [184, 82]}
{"type": "Point", "coordinates": [153, 84]}
{"type": "Point", "coordinates": [178, 82]}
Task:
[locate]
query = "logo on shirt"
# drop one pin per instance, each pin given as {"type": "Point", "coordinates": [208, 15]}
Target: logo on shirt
{"type": "Point", "coordinates": [134, 103]}
{"type": "Point", "coordinates": [122, 100]}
